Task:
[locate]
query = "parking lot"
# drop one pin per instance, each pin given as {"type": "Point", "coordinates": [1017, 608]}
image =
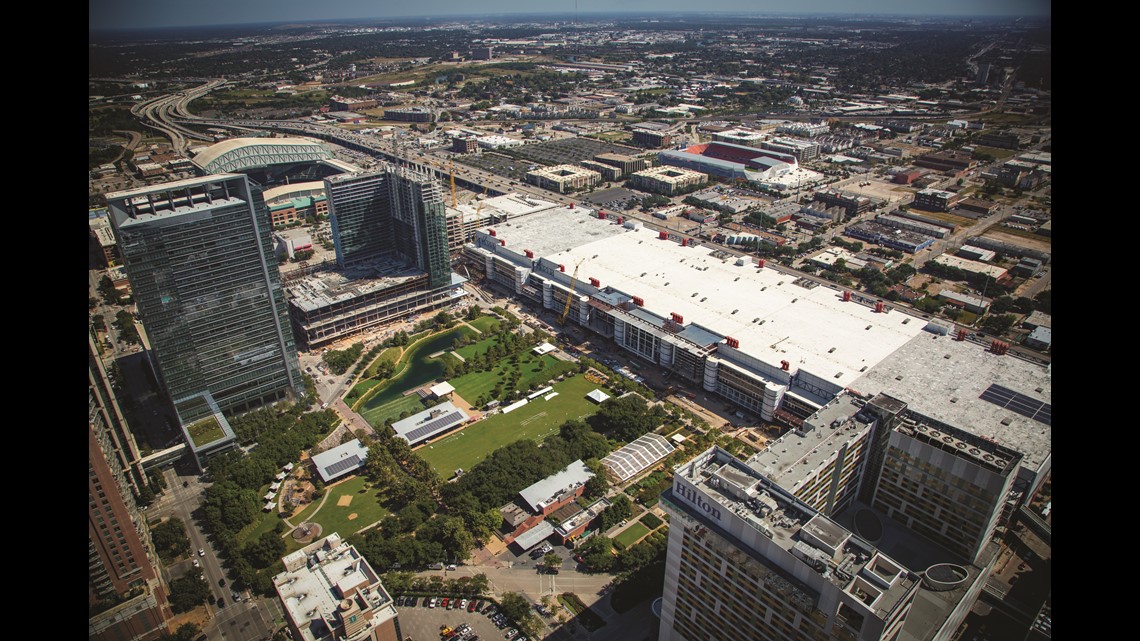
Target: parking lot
{"type": "Point", "coordinates": [498, 164]}
{"type": "Point", "coordinates": [420, 623]}
{"type": "Point", "coordinates": [616, 198]}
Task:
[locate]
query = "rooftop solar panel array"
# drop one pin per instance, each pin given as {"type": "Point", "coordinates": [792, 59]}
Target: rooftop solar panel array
{"type": "Point", "coordinates": [435, 425]}
{"type": "Point", "coordinates": [1020, 403]}
{"type": "Point", "coordinates": [344, 464]}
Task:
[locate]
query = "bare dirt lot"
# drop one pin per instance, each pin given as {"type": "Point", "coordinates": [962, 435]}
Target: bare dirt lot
{"type": "Point", "coordinates": [1040, 244]}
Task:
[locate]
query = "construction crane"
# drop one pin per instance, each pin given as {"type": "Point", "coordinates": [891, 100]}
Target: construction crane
{"type": "Point", "coordinates": [451, 169]}
{"type": "Point", "coordinates": [480, 207]}
{"type": "Point", "coordinates": [570, 295]}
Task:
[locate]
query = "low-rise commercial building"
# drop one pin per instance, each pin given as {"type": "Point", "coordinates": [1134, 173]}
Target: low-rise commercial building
{"type": "Point", "coordinates": [936, 200]}
{"type": "Point", "coordinates": [340, 461]}
{"type": "Point", "coordinates": [410, 114]}
{"type": "Point", "coordinates": [329, 592]}
{"type": "Point", "coordinates": [627, 164]}
{"type": "Point", "coordinates": [668, 180]}
{"type": "Point", "coordinates": [563, 178]}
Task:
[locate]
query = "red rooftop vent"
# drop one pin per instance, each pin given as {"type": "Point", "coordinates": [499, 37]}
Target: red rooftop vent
{"type": "Point", "coordinates": [639, 301]}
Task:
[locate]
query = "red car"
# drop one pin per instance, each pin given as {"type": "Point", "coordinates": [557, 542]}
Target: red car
{"type": "Point", "coordinates": [444, 604]}
{"type": "Point", "coordinates": [471, 606]}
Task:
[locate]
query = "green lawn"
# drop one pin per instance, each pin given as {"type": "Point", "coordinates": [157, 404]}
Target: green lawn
{"type": "Point", "coordinates": [265, 522]}
{"type": "Point", "coordinates": [535, 420]}
{"type": "Point", "coordinates": [472, 386]}
{"type": "Point", "coordinates": [485, 324]}
{"type": "Point", "coordinates": [334, 518]}
{"type": "Point", "coordinates": [205, 431]}
{"type": "Point", "coordinates": [630, 535]}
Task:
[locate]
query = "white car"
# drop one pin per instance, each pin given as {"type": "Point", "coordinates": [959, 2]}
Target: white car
{"type": "Point", "coordinates": [201, 551]}
{"type": "Point", "coordinates": [197, 564]}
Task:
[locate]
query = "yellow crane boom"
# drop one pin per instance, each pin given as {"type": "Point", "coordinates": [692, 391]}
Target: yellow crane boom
{"type": "Point", "coordinates": [451, 168]}
{"type": "Point", "coordinates": [570, 295]}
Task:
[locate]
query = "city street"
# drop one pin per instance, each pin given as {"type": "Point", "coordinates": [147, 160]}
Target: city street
{"type": "Point", "coordinates": [234, 621]}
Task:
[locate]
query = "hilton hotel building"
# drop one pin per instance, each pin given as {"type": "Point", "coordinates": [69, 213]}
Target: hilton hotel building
{"type": "Point", "coordinates": [869, 522]}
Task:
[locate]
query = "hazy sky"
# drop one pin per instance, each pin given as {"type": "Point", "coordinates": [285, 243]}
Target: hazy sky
{"type": "Point", "coordinates": [107, 14]}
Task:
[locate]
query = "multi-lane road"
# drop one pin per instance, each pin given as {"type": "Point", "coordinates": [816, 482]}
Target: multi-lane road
{"type": "Point", "coordinates": [164, 113]}
{"type": "Point", "coordinates": [245, 620]}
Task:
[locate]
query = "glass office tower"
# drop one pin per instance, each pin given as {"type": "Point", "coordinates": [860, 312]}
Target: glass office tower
{"type": "Point", "coordinates": [390, 209]}
{"type": "Point", "coordinates": [205, 279]}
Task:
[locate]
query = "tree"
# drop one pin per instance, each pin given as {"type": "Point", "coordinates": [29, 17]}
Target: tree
{"type": "Point", "coordinates": [998, 323]}
{"type": "Point", "coordinates": [596, 553]}
{"type": "Point", "coordinates": [188, 592]}
{"type": "Point", "coordinates": [517, 609]}
{"type": "Point", "coordinates": [552, 560]}
{"type": "Point", "coordinates": [169, 538]}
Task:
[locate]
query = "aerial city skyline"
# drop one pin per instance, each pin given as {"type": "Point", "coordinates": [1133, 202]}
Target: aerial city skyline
{"type": "Point", "coordinates": [608, 323]}
{"type": "Point", "coordinates": [140, 14]}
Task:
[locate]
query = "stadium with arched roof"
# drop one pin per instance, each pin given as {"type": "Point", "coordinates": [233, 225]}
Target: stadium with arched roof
{"type": "Point", "coordinates": [271, 160]}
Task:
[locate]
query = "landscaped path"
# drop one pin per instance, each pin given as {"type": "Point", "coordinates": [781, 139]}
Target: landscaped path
{"type": "Point", "coordinates": [322, 504]}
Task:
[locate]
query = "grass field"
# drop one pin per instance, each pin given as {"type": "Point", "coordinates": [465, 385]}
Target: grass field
{"type": "Point", "coordinates": [535, 420]}
{"type": "Point", "coordinates": [485, 324]}
{"type": "Point", "coordinates": [335, 518]}
{"type": "Point", "coordinates": [630, 535]}
{"type": "Point", "coordinates": [265, 522]}
{"type": "Point", "coordinates": [472, 386]}
{"type": "Point", "coordinates": [420, 369]}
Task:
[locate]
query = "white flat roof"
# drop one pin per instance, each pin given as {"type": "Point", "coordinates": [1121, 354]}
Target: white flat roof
{"type": "Point", "coordinates": [773, 318]}
{"type": "Point", "coordinates": [950, 389]}
{"type": "Point", "coordinates": [442, 388]}
{"type": "Point", "coordinates": [533, 536]}
{"type": "Point", "coordinates": [570, 476]}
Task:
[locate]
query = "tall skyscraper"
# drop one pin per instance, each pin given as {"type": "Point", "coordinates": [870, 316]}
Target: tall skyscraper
{"type": "Point", "coordinates": [783, 546]}
{"type": "Point", "coordinates": [360, 215]}
{"type": "Point", "coordinates": [201, 265]}
{"type": "Point", "coordinates": [391, 209]}
{"type": "Point", "coordinates": [126, 598]}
